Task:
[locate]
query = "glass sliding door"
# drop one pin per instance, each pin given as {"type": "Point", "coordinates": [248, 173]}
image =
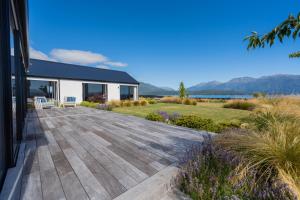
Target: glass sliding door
{"type": "Point", "coordinates": [126, 92]}
{"type": "Point", "coordinates": [94, 92]}
{"type": "Point", "coordinates": [42, 88]}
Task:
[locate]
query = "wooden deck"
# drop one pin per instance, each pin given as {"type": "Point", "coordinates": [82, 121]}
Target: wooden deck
{"type": "Point", "coordinates": [82, 153]}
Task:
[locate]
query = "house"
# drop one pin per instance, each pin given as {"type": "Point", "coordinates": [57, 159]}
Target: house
{"type": "Point", "coordinates": [56, 80]}
{"type": "Point", "coordinates": [22, 78]}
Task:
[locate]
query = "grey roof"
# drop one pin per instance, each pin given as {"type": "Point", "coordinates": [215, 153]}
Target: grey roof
{"type": "Point", "coordinates": [49, 69]}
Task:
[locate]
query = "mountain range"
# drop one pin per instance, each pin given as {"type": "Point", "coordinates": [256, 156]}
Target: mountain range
{"type": "Point", "coordinates": [275, 84]}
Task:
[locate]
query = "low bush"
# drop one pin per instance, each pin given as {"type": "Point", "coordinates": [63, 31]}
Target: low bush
{"type": "Point", "coordinates": [230, 124]}
{"type": "Point", "coordinates": [97, 98]}
{"type": "Point", "coordinates": [104, 107]}
{"type": "Point", "coordinates": [115, 103]}
{"type": "Point", "coordinates": [136, 103]}
{"type": "Point", "coordinates": [187, 101]}
{"type": "Point", "coordinates": [268, 156]}
{"type": "Point", "coordinates": [194, 102]}
{"type": "Point", "coordinates": [154, 116]}
{"type": "Point", "coordinates": [208, 172]}
{"type": "Point", "coordinates": [242, 105]}
{"type": "Point", "coordinates": [203, 175]}
{"type": "Point", "coordinates": [171, 99]}
{"type": "Point", "coordinates": [193, 121]}
{"type": "Point", "coordinates": [89, 104]}
{"type": "Point", "coordinates": [127, 103]}
{"type": "Point", "coordinates": [143, 102]}
{"type": "Point", "coordinates": [152, 101]}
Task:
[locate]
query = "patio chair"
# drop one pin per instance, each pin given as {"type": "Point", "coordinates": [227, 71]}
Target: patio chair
{"type": "Point", "coordinates": [42, 102]}
{"type": "Point", "coordinates": [69, 101]}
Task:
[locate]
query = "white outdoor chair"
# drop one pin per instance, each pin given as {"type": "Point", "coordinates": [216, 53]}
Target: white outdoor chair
{"type": "Point", "coordinates": [42, 102]}
{"type": "Point", "coordinates": [69, 101]}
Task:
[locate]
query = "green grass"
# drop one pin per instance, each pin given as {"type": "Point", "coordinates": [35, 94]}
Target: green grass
{"type": "Point", "coordinates": [214, 111]}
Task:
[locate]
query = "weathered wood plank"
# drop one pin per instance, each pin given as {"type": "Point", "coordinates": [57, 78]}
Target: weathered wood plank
{"type": "Point", "coordinates": [93, 188]}
{"type": "Point", "coordinates": [108, 181]}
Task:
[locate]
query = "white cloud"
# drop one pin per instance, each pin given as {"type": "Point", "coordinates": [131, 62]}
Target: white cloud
{"type": "Point", "coordinates": [77, 56]}
{"type": "Point", "coordinates": [116, 64]}
{"type": "Point", "coordinates": [12, 51]}
{"type": "Point", "coordinates": [102, 66]}
{"type": "Point", "coordinates": [38, 54]}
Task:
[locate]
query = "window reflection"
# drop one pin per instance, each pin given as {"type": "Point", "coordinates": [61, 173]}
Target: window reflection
{"type": "Point", "coordinates": [94, 92]}
{"type": "Point", "coordinates": [42, 88]}
{"type": "Point", "coordinates": [126, 92]}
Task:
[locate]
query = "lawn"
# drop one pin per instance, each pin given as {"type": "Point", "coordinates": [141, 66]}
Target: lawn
{"type": "Point", "coordinates": [214, 111]}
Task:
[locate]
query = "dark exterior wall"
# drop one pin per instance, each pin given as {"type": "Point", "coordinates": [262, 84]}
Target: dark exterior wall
{"type": "Point", "coordinates": [13, 27]}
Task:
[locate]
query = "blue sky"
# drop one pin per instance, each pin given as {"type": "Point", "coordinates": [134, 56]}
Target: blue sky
{"type": "Point", "coordinates": [163, 42]}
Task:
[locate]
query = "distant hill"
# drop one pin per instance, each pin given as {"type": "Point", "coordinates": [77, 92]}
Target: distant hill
{"type": "Point", "coordinates": [276, 84]}
{"type": "Point", "coordinates": [148, 89]}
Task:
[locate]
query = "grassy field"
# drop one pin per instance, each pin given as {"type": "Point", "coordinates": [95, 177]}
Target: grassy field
{"type": "Point", "coordinates": [214, 111]}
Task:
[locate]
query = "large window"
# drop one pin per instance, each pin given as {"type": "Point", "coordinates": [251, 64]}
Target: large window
{"type": "Point", "coordinates": [94, 92]}
{"type": "Point", "coordinates": [126, 92]}
{"type": "Point", "coordinates": [42, 88]}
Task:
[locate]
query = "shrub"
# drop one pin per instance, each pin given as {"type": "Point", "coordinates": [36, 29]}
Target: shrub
{"type": "Point", "coordinates": [122, 103]}
{"type": "Point", "coordinates": [127, 103]}
{"type": "Point", "coordinates": [114, 103]}
{"type": "Point", "coordinates": [152, 101]}
{"type": "Point", "coordinates": [242, 105]}
{"type": "Point", "coordinates": [230, 124]}
{"type": "Point", "coordinates": [174, 117]}
{"type": "Point", "coordinates": [89, 104]}
{"type": "Point", "coordinates": [154, 116]}
{"type": "Point", "coordinates": [171, 99]}
{"type": "Point", "coordinates": [193, 121]}
{"type": "Point", "coordinates": [272, 154]}
{"type": "Point", "coordinates": [136, 103]}
{"type": "Point", "coordinates": [194, 102]}
{"type": "Point", "coordinates": [187, 101]}
{"type": "Point", "coordinates": [143, 102]}
{"type": "Point", "coordinates": [97, 98]}
{"type": "Point", "coordinates": [104, 107]}
{"type": "Point", "coordinates": [164, 115]}
{"type": "Point", "coordinates": [205, 175]}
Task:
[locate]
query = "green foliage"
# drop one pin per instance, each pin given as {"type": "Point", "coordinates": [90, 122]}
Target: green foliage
{"type": "Point", "coordinates": [187, 101]}
{"type": "Point", "coordinates": [127, 103]}
{"type": "Point", "coordinates": [151, 101]}
{"type": "Point", "coordinates": [230, 124]}
{"type": "Point", "coordinates": [272, 150]}
{"type": "Point", "coordinates": [241, 105]}
{"type": "Point", "coordinates": [143, 102]}
{"type": "Point", "coordinates": [295, 55]}
{"type": "Point", "coordinates": [89, 104]}
{"type": "Point", "coordinates": [136, 103]}
{"type": "Point", "coordinates": [193, 121]}
{"type": "Point", "coordinates": [205, 176]}
{"type": "Point", "coordinates": [289, 27]}
{"type": "Point", "coordinates": [182, 90]}
{"type": "Point", "coordinates": [154, 116]}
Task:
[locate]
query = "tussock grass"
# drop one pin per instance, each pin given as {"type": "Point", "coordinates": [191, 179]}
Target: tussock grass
{"type": "Point", "coordinates": [240, 104]}
{"type": "Point", "coordinates": [272, 149]}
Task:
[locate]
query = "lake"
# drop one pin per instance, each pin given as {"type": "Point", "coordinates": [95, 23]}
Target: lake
{"type": "Point", "coordinates": [216, 96]}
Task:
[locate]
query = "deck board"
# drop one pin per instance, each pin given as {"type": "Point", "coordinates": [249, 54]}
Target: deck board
{"type": "Point", "coordinates": [83, 153]}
